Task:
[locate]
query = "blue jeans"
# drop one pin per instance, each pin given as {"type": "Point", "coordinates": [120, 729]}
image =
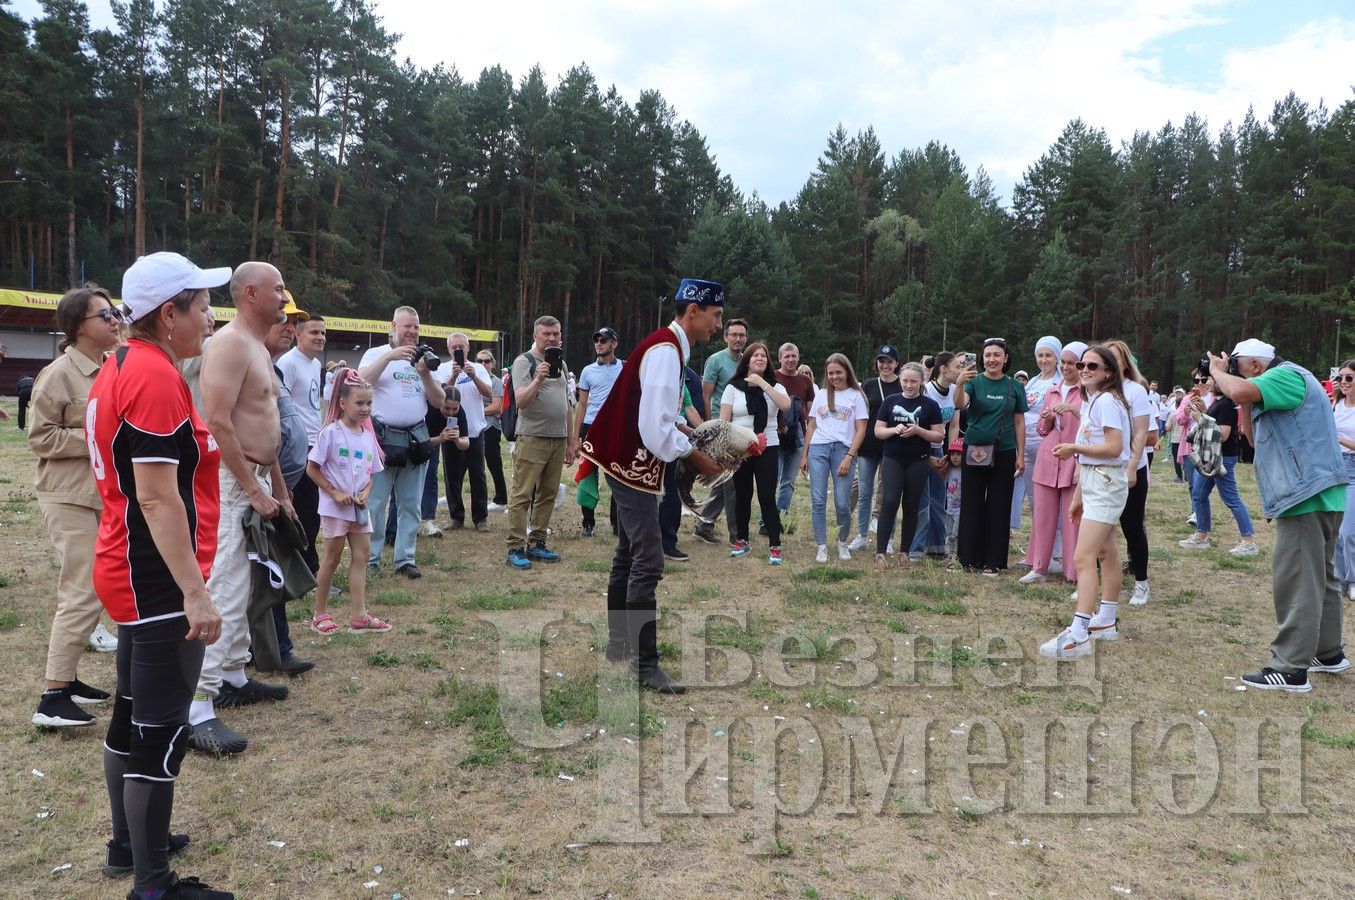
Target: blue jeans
{"type": "Point", "coordinates": [1200, 487]}
{"type": "Point", "coordinates": [406, 486]}
{"type": "Point", "coordinates": [865, 486]}
{"type": "Point", "coordinates": [1023, 489]}
{"type": "Point", "coordinates": [790, 470]}
{"type": "Point", "coordinates": [1345, 541]}
{"type": "Point", "coordinates": [931, 518]}
{"type": "Point", "coordinates": [824, 460]}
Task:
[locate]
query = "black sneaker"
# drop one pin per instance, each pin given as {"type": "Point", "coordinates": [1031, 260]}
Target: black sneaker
{"type": "Point", "coordinates": [587, 531]}
{"type": "Point", "coordinates": [293, 665]}
{"type": "Point", "coordinates": [120, 855]}
{"type": "Point", "coordinates": [676, 555]}
{"type": "Point", "coordinates": [1333, 664]}
{"type": "Point", "coordinates": [252, 692]}
{"type": "Point", "coordinates": [410, 571]}
{"type": "Point", "coordinates": [87, 696]}
{"type": "Point", "coordinates": [1270, 680]}
{"type": "Point", "coordinates": [188, 889]}
{"type": "Point", "coordinates": [57, 709]}
{"type": "Point", "coordinates": [706, 532]}
{"type": "Point", "coordinates": [216, 737]}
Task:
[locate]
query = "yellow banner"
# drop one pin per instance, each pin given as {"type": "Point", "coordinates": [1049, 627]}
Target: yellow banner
{"type": "Point", "coordinates": [39, 300]}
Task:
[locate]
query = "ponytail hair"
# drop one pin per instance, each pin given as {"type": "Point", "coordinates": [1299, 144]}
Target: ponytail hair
{"type": "Point", "coordinates": [347, 380]}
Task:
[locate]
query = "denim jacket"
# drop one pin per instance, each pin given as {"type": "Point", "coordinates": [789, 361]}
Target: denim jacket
{"type": "Point", "coordinates": [1297, 454]}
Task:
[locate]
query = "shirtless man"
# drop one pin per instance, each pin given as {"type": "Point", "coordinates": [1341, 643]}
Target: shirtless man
{"type": "Point", "coordinates": [240, 405]}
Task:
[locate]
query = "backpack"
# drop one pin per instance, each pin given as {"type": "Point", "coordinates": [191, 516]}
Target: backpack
{"type": "Point", "coordinates": [508, 418]}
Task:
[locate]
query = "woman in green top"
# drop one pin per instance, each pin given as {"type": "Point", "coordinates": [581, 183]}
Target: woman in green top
{"type": "Point", "coordinates": [994, 458]}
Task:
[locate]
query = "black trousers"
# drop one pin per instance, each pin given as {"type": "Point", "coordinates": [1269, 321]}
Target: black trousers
{"type": "Point", "coordinates": [670, 507]}
{"type": "Point", "coordinates": [306, 499]}
{"type": "Point", "coordinates": [764, 472]}
{"type": "Point", "coordinates": [494, 463]}
{"type": "Point", "coordinates": [456, 464]}
{"type": "Point", "coordinates": [25, 395]}
{"type": "Point", "coordinates": [902, 481]}
{"type": "Point", "coordinates": [985, 512]}
{"type": "Point", "coordinates": [1132, 524]}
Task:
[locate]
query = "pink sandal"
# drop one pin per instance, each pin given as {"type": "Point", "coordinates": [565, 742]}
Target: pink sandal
{"type": "Point", "coordinates": [368, 623]}
{"type": "Point", "coordinates": [324, 624]}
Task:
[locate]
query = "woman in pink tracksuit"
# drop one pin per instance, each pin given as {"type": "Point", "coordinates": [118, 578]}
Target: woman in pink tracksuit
{"type": "Point", "coordinates": [1055, 479]}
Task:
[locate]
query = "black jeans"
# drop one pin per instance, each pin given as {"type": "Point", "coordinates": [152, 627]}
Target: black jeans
{"type": "Point", "coordinates": [764, 473]}
{"type": "Point", "coordinates": [902, 480]}
{"type": "Point", "coordinates": [670, 507]}
{"type": "Point", "coordinates": [1132, 524]}
{"type": "Point", "coordinates": [494, 463]}
{"type": "Point", "coordinates": [306, 499]}
{"type": "Point", "coordinates": [455, 465]}
{"type": "Point", "coordinates": [985, 512]}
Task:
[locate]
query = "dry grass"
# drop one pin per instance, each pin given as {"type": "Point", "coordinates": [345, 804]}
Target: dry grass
{"type": "Point", "coordinates": [394, 749]}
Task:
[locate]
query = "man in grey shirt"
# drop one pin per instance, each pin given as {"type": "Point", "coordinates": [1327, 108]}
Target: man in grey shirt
{"type": "Point", "coordinates": [720, 368]}
{"type": "Point", "coordinates": [545, 444]}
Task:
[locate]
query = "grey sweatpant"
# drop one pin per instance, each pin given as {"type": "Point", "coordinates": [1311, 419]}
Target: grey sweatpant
{"type": "Point", "coordinates": [1306, 591]}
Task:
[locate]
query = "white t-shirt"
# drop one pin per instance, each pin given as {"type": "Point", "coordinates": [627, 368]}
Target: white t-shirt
{"type": "Point", "coordinates": [1155, 404]}
{"type": "Point", "coordinates": [398, 397]}
{"type": "Point", "coordinates": [1137, 397]}
{"type": "Point", "coordinates": [947, 403]}
{"type": "Point", "coordinates": [304, 380]}
{"type": "Point", "coordinates": [738, 405]}
{"type": "Point", "coordinates": [1036, 388]}
{"type": "Point", "coordinates": [1099, 413]}
{"type": "Point", "coordinates": [1345, 422]}
{"type": "Point", "coordinates": [472, 401]}
{"type": "Point", "coordinates": [839, 424]}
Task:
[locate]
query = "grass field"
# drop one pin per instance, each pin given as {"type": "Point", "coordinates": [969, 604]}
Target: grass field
{"type": "Point", "coordinates": [396, 766]}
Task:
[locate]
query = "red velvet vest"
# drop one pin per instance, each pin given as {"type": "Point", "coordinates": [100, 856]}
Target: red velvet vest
{"type": "Point", "coordinates": [613, 442]}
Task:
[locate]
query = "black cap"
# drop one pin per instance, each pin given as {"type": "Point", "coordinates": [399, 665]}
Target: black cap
{"type": "Point", "coordinates": [607, 332]}
{"type": "Point", "coordinates": [888, 350]}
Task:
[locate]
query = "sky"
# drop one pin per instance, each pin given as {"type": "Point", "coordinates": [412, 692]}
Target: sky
{"type": "Point", "coordinates": [766, 81]}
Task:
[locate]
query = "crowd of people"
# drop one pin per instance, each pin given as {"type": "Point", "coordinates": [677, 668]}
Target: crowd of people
{"type": "Point", "coordinates": [168, 451]}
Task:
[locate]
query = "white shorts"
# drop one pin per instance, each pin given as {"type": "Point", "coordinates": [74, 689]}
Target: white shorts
{"type": "Point", "coordinates": [1104, 492]}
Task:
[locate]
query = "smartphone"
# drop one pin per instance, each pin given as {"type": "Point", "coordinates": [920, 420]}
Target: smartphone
{"type": "Point", "coordinates": [460, 356]}
{"type": "Point", "coordinates": [555, 356]}
{"type": "Point", "coordinates": [970, 360]}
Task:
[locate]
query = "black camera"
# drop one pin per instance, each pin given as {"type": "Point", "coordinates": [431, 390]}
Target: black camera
{"type": "Point", "coordinates": [1204, 366]}
{"type": "Point", "coordinates": [430, 359]}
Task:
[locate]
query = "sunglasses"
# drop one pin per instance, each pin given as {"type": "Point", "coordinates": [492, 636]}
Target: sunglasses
{"type": "Point", "coordinates": [1089, 366]}
{"type": "Point", "coordinates": [1201, 380]}
{"type": "Point", "coordinates": [1345, 378]}
{"type": "Point", "coordinates": [111, 316]}
{"type": "Point", "coordinates": [485, 361]}
{"type": "Point", "coordinates": [996, 342]}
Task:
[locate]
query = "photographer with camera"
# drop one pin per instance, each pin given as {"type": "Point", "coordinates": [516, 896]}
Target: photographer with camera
{"type": "Point", "coordinates": [401, 375]}
{"type": "Point", "coordinates": [545, 442]}
{"type": "Point", "coordinates": [1303, 489]}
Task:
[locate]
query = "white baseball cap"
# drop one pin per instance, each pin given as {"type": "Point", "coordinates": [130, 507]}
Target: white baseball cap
{"type": "Point", "coordinates": [1255, 349]}
{"type": "Point", "coordinates": [158, 277]}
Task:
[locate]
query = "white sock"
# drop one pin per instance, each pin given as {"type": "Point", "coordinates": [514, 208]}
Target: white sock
{"type": "Point", "coordinates": [234, 677]}
{"type": "Point", "coordinates": [1106, 614]}
{"type": "Point", "coordinates": [1080, 622]}
{"type": "Point", "coordinates": [201, 709]}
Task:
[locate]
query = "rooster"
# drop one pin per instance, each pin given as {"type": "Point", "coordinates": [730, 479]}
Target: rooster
{"type": "Point", "coordinates": [729, 445]}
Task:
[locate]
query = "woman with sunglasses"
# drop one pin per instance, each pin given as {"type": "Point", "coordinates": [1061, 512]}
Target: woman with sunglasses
{"type": "Point", "coordinates": [1103, 452]}
{"type": "Point", "coordinates": [1133, 522]}
{"type": "Point", "coordinates": [994, 458]}
{"type": "Point", "coordinates": [1345, 433]}
{"type": "Point", "coordinates": [69, 499]}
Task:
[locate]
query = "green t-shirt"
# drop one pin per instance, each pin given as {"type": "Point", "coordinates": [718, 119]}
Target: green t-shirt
{"type": "Point", "coordinates": [719, 370]}
{"type": "Point", "coordinates": [992, 404]}
{"type": "Point", "coordinates": [1282, 390]}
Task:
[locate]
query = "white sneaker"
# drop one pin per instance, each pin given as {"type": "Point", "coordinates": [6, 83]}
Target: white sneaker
{"type": "Point", "coordinates": [101, 640]}
{"type": "Point", "coordinates": [844, 552]}
{"type": "Point", "coordinates": [1032, 577]}
{"type": "Point", "coordinates": [1194, 543]}
{"type": "Point", "coordinates": [1190, 519]}
{"type": "Point", "coordinates": [822, 555]}
{"type": "Point", "coordinates": [1056, 567]}
{"type": "Point", "coordinates": [1350, 591]}
{"type": "Point", "coordinates": [859, 543]}
{"type": "Point", "coordinates": [1109, 632]}
{"type": "Point", "coordinates": [429, 528]}
{"type": "Point", "coordinates": [1244, 549]}
{"type": "Point", "coordinates": [496, 507]}
{"type": "Point", "coordinates": [1140, 595]}
{"type": "Point", "coordinates": [1065, 646]}
{"type": "Point", "coordinates": [874, 521]}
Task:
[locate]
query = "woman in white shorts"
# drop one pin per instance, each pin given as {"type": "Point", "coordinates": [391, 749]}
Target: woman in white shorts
{"type": "Point", "coordinates": [1102, 449]}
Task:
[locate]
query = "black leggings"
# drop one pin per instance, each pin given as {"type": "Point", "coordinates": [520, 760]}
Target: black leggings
{"type": "Point", "coordinates": [494, 463]}
{"type": "Point", "coordinates": [985, 512]}
{"type": "Point", "coordinates": [157, 673]}
{"type": "Point", "coordinates": [1132, 524]}
{"type": "Point", "coordinates": [902, 480]}
{"type": "Point", "coordinates": [765, 470]}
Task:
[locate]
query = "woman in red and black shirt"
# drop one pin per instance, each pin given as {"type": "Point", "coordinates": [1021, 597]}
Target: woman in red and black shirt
{"type": "Point", "coordinates": [156, 468]}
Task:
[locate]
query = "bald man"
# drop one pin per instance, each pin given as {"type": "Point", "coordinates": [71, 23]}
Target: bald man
{"type": "Point", "coordinates": [240, 404]}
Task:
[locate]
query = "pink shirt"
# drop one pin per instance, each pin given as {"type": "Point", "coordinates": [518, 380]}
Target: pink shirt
{"type": "Point", "coordinates": [1051, 471]}
{"type": "Point", "coordinates": [347, 459]}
